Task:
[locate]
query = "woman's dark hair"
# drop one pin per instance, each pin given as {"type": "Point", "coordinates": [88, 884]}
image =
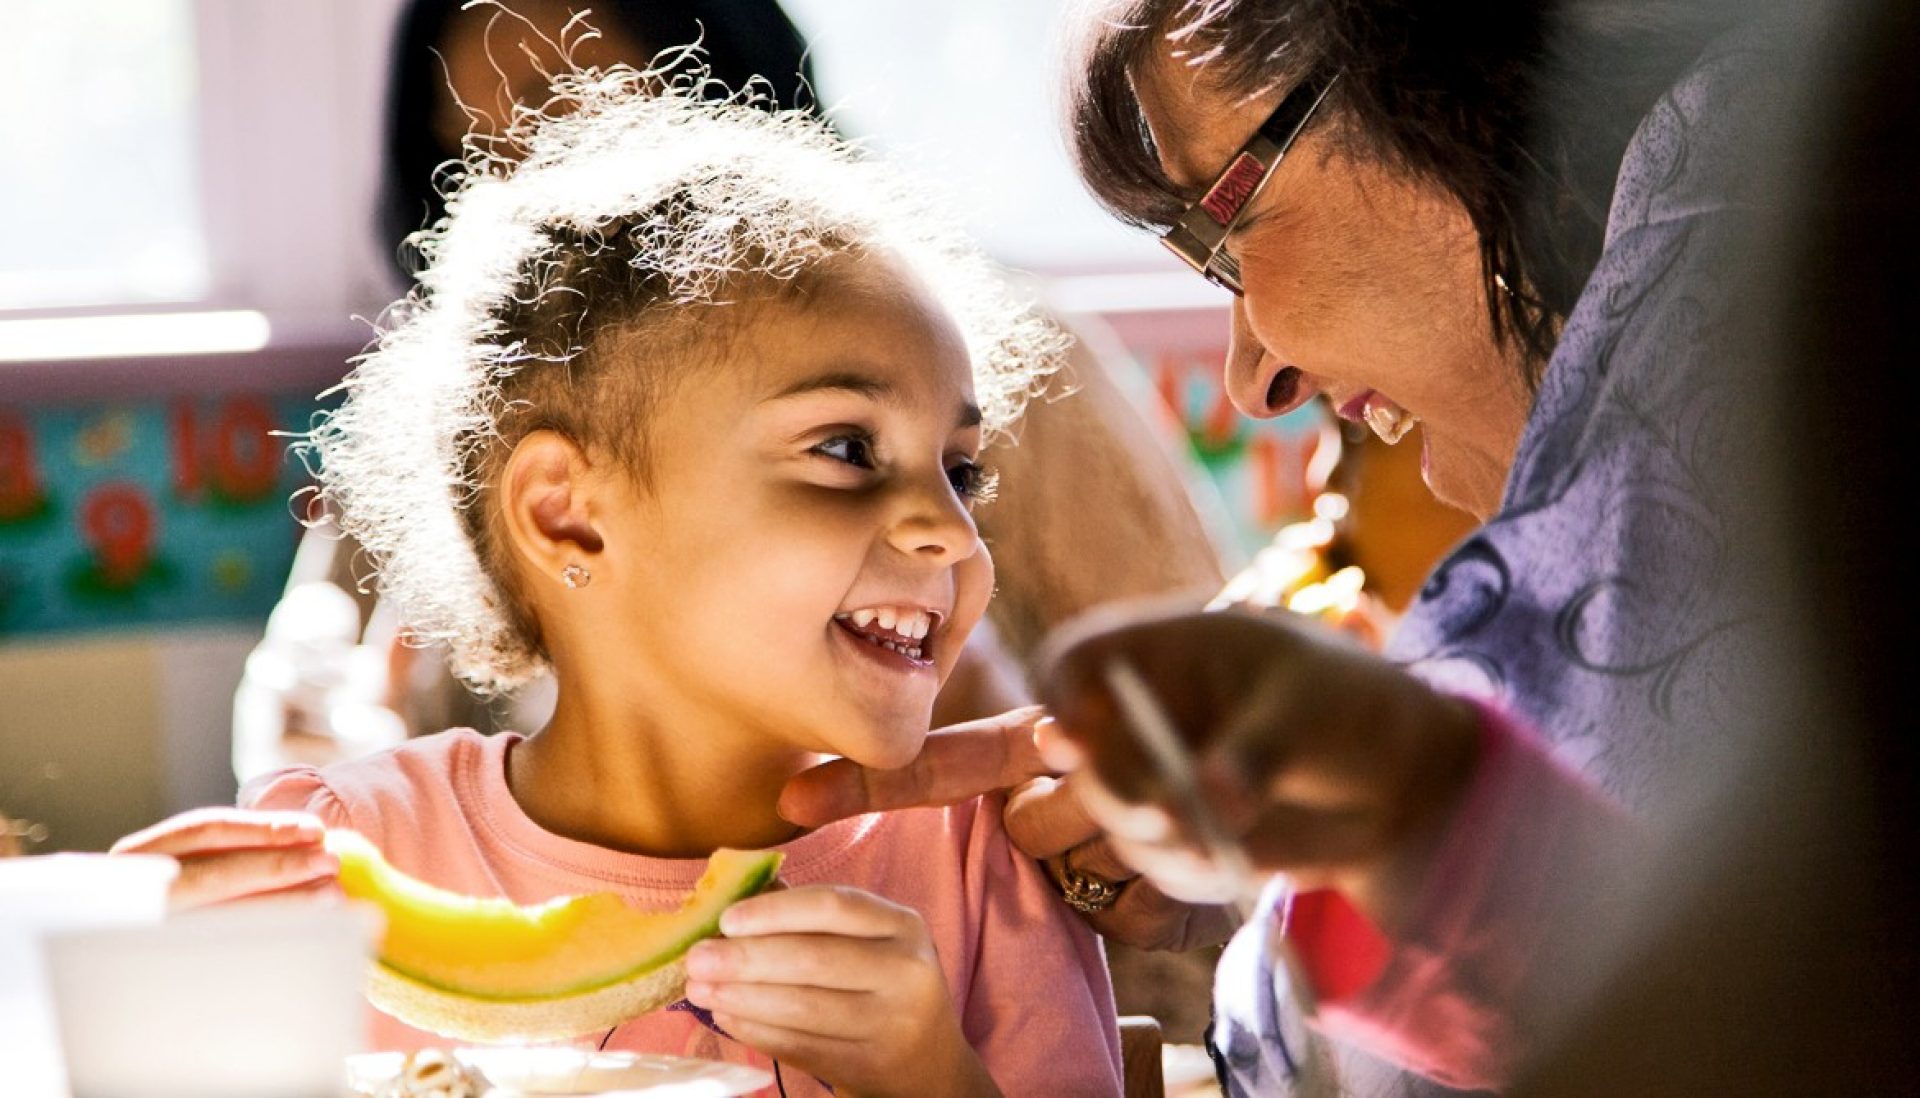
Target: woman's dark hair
{"type": "Point", "coordinates": [1520, 109]}
{"type": "Point", "coordinates": [741, 40]}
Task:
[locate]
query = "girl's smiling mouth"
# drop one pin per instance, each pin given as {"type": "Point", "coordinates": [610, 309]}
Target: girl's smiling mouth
{"type": "Point", "coordinates": [895, 634]}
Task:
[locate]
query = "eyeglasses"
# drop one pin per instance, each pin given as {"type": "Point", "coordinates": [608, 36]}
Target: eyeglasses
{"type": "Point", "coordinates": [1199, 237]}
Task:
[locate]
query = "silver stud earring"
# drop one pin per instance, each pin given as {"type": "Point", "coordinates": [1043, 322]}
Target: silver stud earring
{"type": "Point", "coordinates": [575, 576]}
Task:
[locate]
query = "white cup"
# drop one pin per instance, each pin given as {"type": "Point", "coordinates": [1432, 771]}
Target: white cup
{"type": "Point", "coordinates": [262, 1001]}
{"type": "Point", "coordinates": [52, 893]}
{"type": "Point", "coordinates": [73, 891]}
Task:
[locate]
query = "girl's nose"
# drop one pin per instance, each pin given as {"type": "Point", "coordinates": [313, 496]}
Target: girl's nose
{"type": "Point", "coordinates": [935, 524]}
{"type": "Point", "coordinates": [1249, 372]}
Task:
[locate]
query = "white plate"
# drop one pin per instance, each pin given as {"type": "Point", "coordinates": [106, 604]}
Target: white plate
{"type": "Point", "coordinates": [553, 1071]}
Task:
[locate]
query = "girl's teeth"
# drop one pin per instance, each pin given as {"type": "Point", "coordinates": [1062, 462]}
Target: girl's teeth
{"type": "Point", "coordinates": [908, 626]}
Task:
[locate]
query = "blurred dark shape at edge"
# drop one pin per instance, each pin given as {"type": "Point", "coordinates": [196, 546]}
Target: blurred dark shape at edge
{"type": "Point", "coordinates": [1774, 946]}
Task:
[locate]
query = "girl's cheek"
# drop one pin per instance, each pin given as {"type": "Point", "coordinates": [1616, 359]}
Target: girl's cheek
{"type": "Point", "coordinates": [973, 585]}
{"type": "Point", "coordinates": [972, 590]}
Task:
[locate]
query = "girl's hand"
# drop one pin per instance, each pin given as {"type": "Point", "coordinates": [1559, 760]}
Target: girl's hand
{"type": "Point", "coordinates": [228, 855]}
{"type": "Point", "coordinates": [841, 984]}
{"type": "Point", "coordinates": [1325, 761]}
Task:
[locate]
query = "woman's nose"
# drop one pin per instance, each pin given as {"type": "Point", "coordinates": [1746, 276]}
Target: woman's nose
{"type": "Point", "coordinates": [1249, 372]}
{"type": "Point", "coordinates": [935, 524]}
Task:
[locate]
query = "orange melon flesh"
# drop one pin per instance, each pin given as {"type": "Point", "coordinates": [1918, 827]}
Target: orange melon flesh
{"type": "Point", "coordinates": [488, 969]}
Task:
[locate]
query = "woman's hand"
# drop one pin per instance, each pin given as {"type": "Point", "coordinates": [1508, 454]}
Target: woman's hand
{"type": "Point", "coordinates": [841, 984]}
{"type": "Point", "coordinates": [228, 855]}
{"type": "Point", "coordinates": [1045, 817]}
{"type": "Point", "coordinates": [1324, 761]}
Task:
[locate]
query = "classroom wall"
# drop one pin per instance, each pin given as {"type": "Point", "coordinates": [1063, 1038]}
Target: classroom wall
{"type": "Point", "coordinates": [115, 709]}
{"type": "Point", "coordinates": [121, 642]}
{"type": "Point", "coordinates": [104, 734]}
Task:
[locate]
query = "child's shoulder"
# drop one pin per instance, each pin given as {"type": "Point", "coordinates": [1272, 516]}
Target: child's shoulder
{"type": "Point", "coordinates": [976, 819]}
{"type": "Point", "coordinates": [962, 845]}
{"type": "Point", "coordinates": [396, 789]}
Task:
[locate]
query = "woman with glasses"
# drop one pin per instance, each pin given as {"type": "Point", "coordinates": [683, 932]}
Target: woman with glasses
{"type": "Point", "coordinates": [1508, 227]}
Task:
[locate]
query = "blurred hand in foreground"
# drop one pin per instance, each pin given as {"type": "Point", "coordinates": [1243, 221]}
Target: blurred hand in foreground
{"type": "Point", "coordinates": [1325, 762]}
{"type": "Point", "coordinates": [231, 855]}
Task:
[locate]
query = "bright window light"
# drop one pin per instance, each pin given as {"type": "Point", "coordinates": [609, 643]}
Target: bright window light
{"type": "Point", "coordinates": [1148, 291]}
{"type": "Point", "coordinates": [51, 339]}
{"type": "Point", "coordinates": [965, 92]}
{"type": "Point", "coordinates": [98, 107]}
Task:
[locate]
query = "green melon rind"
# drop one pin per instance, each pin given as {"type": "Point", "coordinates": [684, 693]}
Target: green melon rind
{"type": "Point", "coordinates": [464, 1018]}
{"type": "Point", "coordinates": [752, 884]}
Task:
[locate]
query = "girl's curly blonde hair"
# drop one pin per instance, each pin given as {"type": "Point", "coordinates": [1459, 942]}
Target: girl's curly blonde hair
{"type": "Point", "coordinates": [643, 207]}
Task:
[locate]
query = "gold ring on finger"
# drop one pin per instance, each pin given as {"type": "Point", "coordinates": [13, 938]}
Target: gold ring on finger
{"type": "Point", "coordinates": [1085, 892]}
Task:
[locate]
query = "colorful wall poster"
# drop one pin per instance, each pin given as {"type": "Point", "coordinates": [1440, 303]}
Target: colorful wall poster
{"type": "Point", "coordinates": [146, 513]}
{"type": "Point", "coordinates": [1266, 470]}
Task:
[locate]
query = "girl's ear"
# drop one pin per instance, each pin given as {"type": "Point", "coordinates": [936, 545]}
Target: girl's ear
{"type": "Point", "coordinates": [546, 497]}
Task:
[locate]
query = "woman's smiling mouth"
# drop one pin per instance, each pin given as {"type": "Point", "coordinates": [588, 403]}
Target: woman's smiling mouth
{"type": "Point", "coordinates": [1387, 419]}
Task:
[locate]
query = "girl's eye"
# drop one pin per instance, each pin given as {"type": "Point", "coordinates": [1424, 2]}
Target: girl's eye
{"type": "Point", "coordinates": [855, 450]}
{"type": "Point", "coordinates": [973, 482]}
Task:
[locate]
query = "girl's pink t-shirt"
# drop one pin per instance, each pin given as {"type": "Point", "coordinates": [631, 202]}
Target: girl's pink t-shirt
{"type": "Point", "coordinates": [1028, 979]}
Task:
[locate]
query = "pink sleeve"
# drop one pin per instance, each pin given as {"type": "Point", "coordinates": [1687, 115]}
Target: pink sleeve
{"type": "Point", "coordinates": [296, 789]}
{"type": "Point", "coordinates": [1039, 1009]}
{"type": "Point", "coordinates": [1443, 998]}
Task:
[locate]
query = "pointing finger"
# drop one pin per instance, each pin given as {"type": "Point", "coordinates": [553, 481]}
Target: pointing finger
{"type": "Point", "coordinates": [954, 765]}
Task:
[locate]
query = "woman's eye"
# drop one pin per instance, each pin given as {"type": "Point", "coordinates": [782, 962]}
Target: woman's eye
{"type": "Point", "coordinates": [855, 450]}
{"type": "Point", "coordinates": [973, 482]}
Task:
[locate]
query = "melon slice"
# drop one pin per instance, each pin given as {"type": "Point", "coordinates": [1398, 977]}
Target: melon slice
{"type": "Point", "coordinates": [479, 969]}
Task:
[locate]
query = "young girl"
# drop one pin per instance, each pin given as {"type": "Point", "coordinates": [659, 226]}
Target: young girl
{"type": "Point", "coordinates": [687, 410]}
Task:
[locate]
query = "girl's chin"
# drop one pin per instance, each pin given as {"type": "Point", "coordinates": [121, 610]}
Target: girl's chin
{"type": "Point", "coordinates": [886, 745]}
{"type": "Point", "coordinates": [891, 758]}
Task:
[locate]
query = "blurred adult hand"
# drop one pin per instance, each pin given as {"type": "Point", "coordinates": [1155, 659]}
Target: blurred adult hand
{"type": "Point", "coordinates": [231, 855]}
{"type": "Point", "coordinates": [1046, 816]}
{"type": "Point", "coordinates": [1326, 762]}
